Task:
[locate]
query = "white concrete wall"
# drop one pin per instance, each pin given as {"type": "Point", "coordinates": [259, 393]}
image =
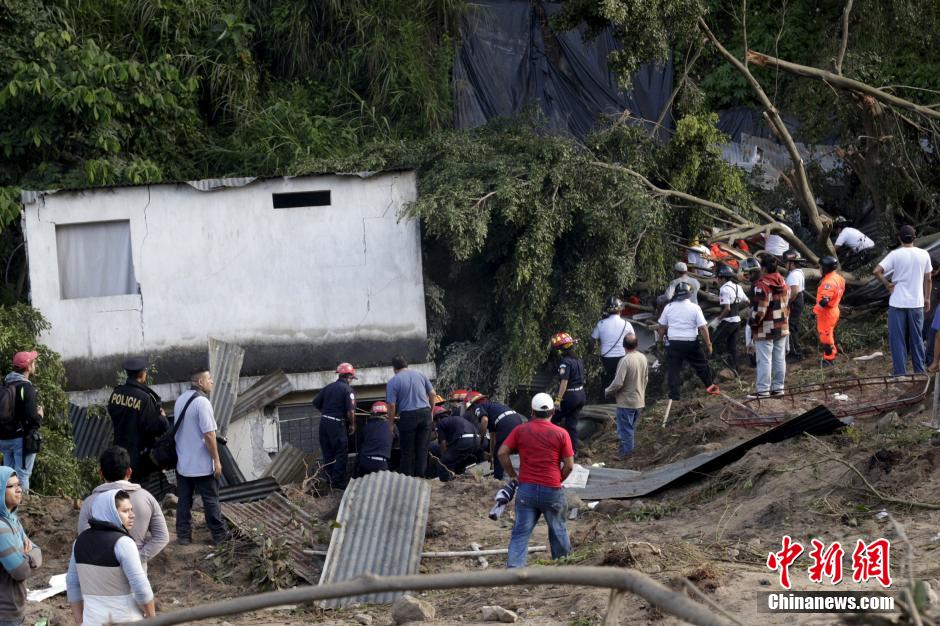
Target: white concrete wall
{"type": "Point", "coordinates": [250, 440]}
{"type": "Point", "coordinates": [225, 263]}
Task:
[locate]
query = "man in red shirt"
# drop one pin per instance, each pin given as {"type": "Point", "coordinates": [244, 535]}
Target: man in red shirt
{"type": "Point", "coordinates": [545, 460]}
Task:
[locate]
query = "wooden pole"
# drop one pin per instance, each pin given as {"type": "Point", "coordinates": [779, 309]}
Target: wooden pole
{"type": "Point", "coordinates": [623, 579]}
{"type": "Point", "coordinates": [615, 607]}
{"type": "Point", "coordinates": [666, 414]}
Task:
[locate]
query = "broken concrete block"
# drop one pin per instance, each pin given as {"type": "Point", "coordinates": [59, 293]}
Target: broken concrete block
{"type": "Point", "coordinates": [362, 618]}
{"type": "Point", "coordinates": [890, 421]}
{"type": "Point", "coordinates": [170, 502]}
{"type": "Point", "coordinates": [411, 609]}
{"type": "Point", "coordinates": [574, 502]}
{"type": "Point", "coordinates": [498, 614]}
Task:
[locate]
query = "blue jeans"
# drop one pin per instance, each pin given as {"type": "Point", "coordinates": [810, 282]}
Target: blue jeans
{"type": "Point", "coordinates": [905, 327]}
{"type": "Point", "coordinates": [532, 501]}
{"type": "Point", "coordinates": [208, 489]}
{"type": "Point", "coordinates": [771, 364]}
{"type": "Point", "coordinates": [12, 450]}
{"type": "Point", "coordinates": [626, 425]}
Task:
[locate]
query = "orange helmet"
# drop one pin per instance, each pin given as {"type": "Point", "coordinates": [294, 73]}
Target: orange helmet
{"type": "Point", "coordinates": [346, 368]}
{"type": "Point", "coordinates": [473, 397]}
{"type": "Point", "coordinates": [458, 395]}
{"type": "Point", "coordinates": [379, 408]}
{"type": "Point", "coordinates": [438, 411]}
{"type": "Point", "coordinates": [562, 340]}
{"type": "Point", "coordinates": [437, 399]}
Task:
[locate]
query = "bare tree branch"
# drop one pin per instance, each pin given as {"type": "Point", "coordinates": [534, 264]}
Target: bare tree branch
{"type": "Point", "coordinates": [845, 37]}
{"type": "Point", "coordinates": [842, 82]}
{"type": "Point", "coordinates": [805, 193]}
{"type": "Point", "coordinates": [675, 92]}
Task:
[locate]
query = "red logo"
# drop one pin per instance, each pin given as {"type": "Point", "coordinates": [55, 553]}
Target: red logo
{"type": "Point", "coordinates": [869, 561]}
{"type": "Point", "coordinates": [784, 559]}
{"type": "Point", "coordinates": [826, 562]}
{"type": "Point", "coordinates": [872, 561]}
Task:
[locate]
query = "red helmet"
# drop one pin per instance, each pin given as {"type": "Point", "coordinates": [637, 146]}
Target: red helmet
{"type": "Point", "coordinates": [458, 395]}
{"type": "Point", "coordinates": [473, 397]}
{"type": "Point", "coordinates": [438, 411]}
{"type": "Point", "coordinates": [562, 340]}
{"type": "Point", "coordinates": [379, 407]}
{"type": "Point", "coordinates": [346, 368]}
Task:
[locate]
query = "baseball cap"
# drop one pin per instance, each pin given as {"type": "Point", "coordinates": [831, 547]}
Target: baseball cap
{"type": "Point", "coordinates": [680, 267]}
{"type": "Point", "coordinates": [23, 359]}
{"type": "Point", "coordinates": [907, 232]}
{"type": "Point", "coordinates": [542, 402]}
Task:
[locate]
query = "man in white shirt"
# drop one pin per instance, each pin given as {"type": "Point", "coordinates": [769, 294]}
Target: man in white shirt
{"type": "Point", "coordinates": [682, 323]}
{"type": "Point", "coordinates": [797, 283]}
{"type": "Point", "coordinates": [776, 244]}
{"type": "Point", "coordinates": [198, 467]}
{"type": "Point", "coordinates": [910, 285]}
{"type": "Point", "coordinates": [609, 334]}
{"type": "Point", "coordinates": [682, 276]}
{"type": "Point", "coordinates": [698, 259]}
{"type": "Point", "coordinates": [856, 248]}
{"type": "Point", "coordinates": [732, 299]}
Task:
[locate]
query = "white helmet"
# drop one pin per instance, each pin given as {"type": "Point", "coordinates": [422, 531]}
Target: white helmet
{"type": "Point", "coordinates": [542, 402]}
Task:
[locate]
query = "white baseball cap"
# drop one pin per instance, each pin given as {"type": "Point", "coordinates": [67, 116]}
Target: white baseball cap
{"type": "Point", "coordinates": [542, 402]}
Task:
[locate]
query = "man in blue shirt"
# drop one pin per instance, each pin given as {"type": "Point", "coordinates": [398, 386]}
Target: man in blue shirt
{"type": "Point", "coordinates": [408, 395]}
{"type": "Point", "coordinates": [459, 443]}
{"type": "Point", "coordinates": [337, 405]}
{"type": "Point", "coordinates": [376, 446]}
{"type": "Point", "coordinates": [496, 418]}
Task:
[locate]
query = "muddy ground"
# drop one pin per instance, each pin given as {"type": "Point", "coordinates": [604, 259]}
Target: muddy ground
{"type": "Point", "coordinates": [716, 532]}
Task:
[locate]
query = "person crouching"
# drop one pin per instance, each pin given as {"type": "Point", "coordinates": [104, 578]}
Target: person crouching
{"type": "Point", "coordinates": [376, 446]}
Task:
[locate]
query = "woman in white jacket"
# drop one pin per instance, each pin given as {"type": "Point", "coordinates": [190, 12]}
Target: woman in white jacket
{"type": "Point", "coordinates": [106, 582]}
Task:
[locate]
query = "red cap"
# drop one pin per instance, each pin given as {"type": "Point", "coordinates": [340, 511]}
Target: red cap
{"type": "Point", "coordinates": [21, 360]}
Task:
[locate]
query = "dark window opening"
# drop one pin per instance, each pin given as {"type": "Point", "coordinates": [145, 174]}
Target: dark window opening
{"type": "Point", "coordinates": [299, 199]}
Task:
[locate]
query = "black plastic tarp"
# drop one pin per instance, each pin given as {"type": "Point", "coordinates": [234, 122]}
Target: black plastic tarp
{"type": "Point", "coordinates": [509, 59]}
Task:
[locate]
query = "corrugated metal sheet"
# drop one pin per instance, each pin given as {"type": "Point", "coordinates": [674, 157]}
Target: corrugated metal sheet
{"type": "Point", "coordinates": [613, 483]}
{"type": "Point", "coordinates": [249, 491]}
{"type": "Point", "coordinates": [268, 389]}
{"type": "Point", "coordinates": [382, 519]}
{"type": "Point", "coordinates": [278, 516]}
{"type": "Point", "coordinates": [288, 465]}
{"type": "Point", "coordinates": [160, 483]}
{"type": "Point", "coordinates": [91, 434]}
{"type": "Point", "coordinates": [231, 473]}
{"type": "Point", "coordinates": [212, 184]}
{"type": "Point", "coordinates": [225, 363]}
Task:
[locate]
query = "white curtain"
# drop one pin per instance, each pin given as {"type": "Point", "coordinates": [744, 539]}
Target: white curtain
{"type": "Point", "coordinates": [95, 259]}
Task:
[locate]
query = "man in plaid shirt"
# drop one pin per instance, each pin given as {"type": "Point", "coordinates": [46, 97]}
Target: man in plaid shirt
{"type": "Point", "coordinates": [770, 327]}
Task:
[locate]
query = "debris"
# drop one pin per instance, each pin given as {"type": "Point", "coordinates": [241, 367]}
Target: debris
{"type": "Point", "coordinates": [56, 586]}
{"type": "Point", "coordinates": [287, 466]}
{"type": "Point", "coordinates": [930, 594]}
{"type": "Point", "coordinates": [666, 412]}
{"type": "Point", "coordinates": [498, 614]}
{"type": "Point", "coordinates": [411, 609]}
{"type": "Point", "coordinates": [578, 477]}
{"type": "Point", "coordinates": [452, 553]}
{"type": "Point", "coordinates": [880, 515]}
{"type": "Point", "coordinates": [869, 357]}
{"type": "Point", "coordinates": [574, 501]}
{"type": "Point", "coordinates": [225, 362]}
{"type": "Point", "coordinates": [726, 374]}
{"type": "Point", "coordinates": [363, 619]}
{"type": "Point", "coordinates": [170, 502]}
{"type": "Point", "coordinates": [475, 547]}
{"type": "Point", "coordinates": [437, 528]}
{"type": "Point", "coordinates": [841, 397]}
{"type": "Point", "coordinates": [889, 422]}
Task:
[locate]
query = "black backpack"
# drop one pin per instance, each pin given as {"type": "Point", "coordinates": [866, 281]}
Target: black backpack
{"type": "Point", "coordinates": [163, 452]}
{"type": "Point", "coordinates": [9, 424]}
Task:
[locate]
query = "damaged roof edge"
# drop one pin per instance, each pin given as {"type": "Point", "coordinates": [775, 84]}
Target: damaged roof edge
{"type": "Point", "coordinates": [29, 196]}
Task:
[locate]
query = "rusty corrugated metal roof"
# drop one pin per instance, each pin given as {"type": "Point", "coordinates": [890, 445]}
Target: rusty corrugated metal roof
{"type": "Point", "coordinates": [268, 389]}
{"type": "Point", "coordinates": [91, 434]}
{"type": "Point", "coordinates": [382, 519]}
{"type": "Point", "coordinates": [225, 363]}
{"type": "Point", "coordinates": [278, 516]}
{"type": "Point", "coordinates": [288, 465]}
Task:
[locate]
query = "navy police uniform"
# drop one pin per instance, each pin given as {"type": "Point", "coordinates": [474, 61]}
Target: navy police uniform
{"type": "Point", "coordinates": [334, 402]}
{"type": "Point", "coordinates": [501, 420]}
{"type": "Point", "coordinates": [462, 441]}
{"type": "Point", "coordinates": [572, 370]}
{"type": "Point", "coordinates": [134, 409]}
{"type": "Point", "coordinates": [376, 446]}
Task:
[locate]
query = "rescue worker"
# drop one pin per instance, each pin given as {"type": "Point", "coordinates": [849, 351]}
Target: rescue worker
{"type": "Point", "coordinates": [732, 299]}
{"type": "Point", "coordinates": [571, 397]}
{"type": "Point", "coordinates": [776, 244]}
{"type": "Point", "coordinates": [496, 418]}
{"type": "Point", "coordinates": [681, 324]}
{"type": "Point", "coordinates": [608, 334]}
{"type": "Point", "coordinates": [137, 417]}
{"type": "Point", "coordinates": [681, 270]}
{"type": "Point", "coordinates": [458, 443]}
{"type": "Point", "coordinates": [699, 259]}
{"type": "Point", "coordinates": [337, 405]}
{"type": "Point", "coordinates": [376, 447]}
{"type": "Point", "coordinates": [828, 296]}
{"type": "Point", "coordinates": [797, 284]}
{"type": "Point", "coordinates": [854, 246]}
{"type": "Point", "coordinates": [750, 267]}
{"type": "Point", "coordinates": [455, 401]}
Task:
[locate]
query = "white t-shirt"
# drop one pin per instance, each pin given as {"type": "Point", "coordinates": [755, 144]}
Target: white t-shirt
{"type": "Point", "coordinates": [905, 267]}
{"type": "Point", "coordinates": [194, 458]}
{"type": "Point", "coordinates": [796, 279]}
{"type": "Point", "coordinates": [698, 264]}
{"type": "Point", "coordinates": [777, 245]}
{"type": "Point", "coordinates": [854, 239]}
{"type": "Point", "coordinates": [683, 318]}
{"type": "Point", "coordinates": [685, 278]}
{"type": "Point", "coordinates": [730, 293]}
{"type": "Point", "coordinates": [611, 330]}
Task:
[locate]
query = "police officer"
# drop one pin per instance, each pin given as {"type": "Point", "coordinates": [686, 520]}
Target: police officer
{"type": "Point", "coordinates": [137, 417]}
{"type": "Point", "coordinates": [337, 405]}
{"type": "Point", "coordinates": [458, 441]}
{"type": "Point", "coordinates": [376, 447]}
{"type": "Point", "coordinates": [571, 397]}
{"type": "Point", "coordinates": [496, 418]}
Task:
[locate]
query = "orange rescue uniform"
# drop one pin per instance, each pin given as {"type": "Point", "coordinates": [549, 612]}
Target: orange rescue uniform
{"type": "Point", "coordinates": [831, 286]}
